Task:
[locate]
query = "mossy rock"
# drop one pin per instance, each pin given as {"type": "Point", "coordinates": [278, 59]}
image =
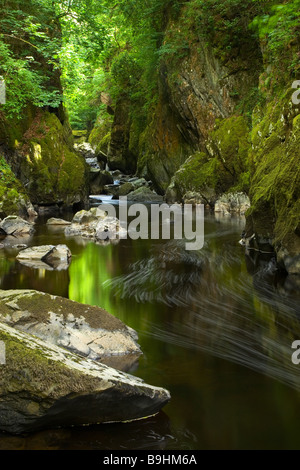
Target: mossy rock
{"type": "Point", "coordinates": [275, 182]}
{"type": "Point", "coordinates": [13, 197]}
{"type": "Point", "coordinates": [45, 386]}
{"type": "Point", "coordinates": [54, 173]}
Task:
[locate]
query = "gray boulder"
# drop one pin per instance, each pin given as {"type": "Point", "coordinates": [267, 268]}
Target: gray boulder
{"type": "Point", "coordinates": [144, 194]}
{"type": "Point", "coordinates": [58, 256]}
{"type": "Point", "coordinates": [95, 224]}
{"type": "Point", "coordinates": [45, 386]}
{"type": "Point", "coordinates": [233, 203]}
{"type": "Point", "coordinates": [16, 226]}
{"type": "Point", "coordinates": [55, 221]}
{"type": "Point", "coordinates": [86, 330]}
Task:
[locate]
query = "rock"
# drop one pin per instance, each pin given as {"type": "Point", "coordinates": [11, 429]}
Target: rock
{"type": "Point", "coordinates": [193, 198]}
{"type": "Point", "coordinates": [84, 217]}
{"type": "Point", "coordinates": [102, 179]}
{"type": "Point", "coordinates": [95, 224]}
{"type": "Point", "coordinates": [236, 203]}
{"type": "Point", "coordinates": [86, 150]}
{"type": "Point", "coordinates": [110, 228]}
{"type": "Point", "coordinates": [55, 221]}
{"type": "Point", "coordinates": [125, 189]}
{"type": "Point", "coordinates": [144, 194]}
{"type": "Point", "coordinates": [111, 189]}
{"type": "Point", "coordinates": [16, 226]}
{"type": "Point", "coordinates": [289, 261]}
{"type": "Point", "coordinates": [58, 256]}
{"type": "Point", "coordinates": [44, 386]}
{"type": "Point", "coordinates": [138, 182]}
{"type": "Point", "coordinates": [86, 330]}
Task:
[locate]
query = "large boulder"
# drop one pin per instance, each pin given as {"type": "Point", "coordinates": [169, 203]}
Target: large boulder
{"type": "Point", "coordinates": [97, 225]}
{"type": "Point", "coordinates": [45, 386]}
{"type": "Point", "coordinates": [233, 203]}
{"type": "Point", "coordinates": [144, 194]}
{"type": "Point", "coordinates": [16, 226]}
{"type": "Point", "coordinates": [86, 330]}
{"type": "Point", "coordinates": [52, 256]}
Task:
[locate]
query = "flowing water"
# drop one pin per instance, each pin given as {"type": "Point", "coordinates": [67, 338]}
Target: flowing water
{"type": "Point", "coordinates": [216, 329]}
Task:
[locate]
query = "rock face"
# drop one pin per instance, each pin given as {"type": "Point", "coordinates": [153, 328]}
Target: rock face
{"type": "Point", "coordinates": [85, 330]}
{"type": "Point", "coordinates": [43, 385]}
{"type": "Point", "coordinates": [55, 257]}
{"type": "Point", "coordinates": [275, 182]}
{"type": "Point", "coordinates": [120, 155]}
{"type": "Point", "coordinates": [16, 226]}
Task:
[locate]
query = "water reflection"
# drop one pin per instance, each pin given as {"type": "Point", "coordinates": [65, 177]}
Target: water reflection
{"type": "Point", "coordinates": [215, 327]}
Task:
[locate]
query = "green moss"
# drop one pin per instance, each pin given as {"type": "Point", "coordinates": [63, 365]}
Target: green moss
{"type": "Point", "coordinates": [225, 168]}
{"type": "Point", "coordinates": [13, 196]}
{"type": "Point", "coordinates": [275, 185]}
{"type": "Point", "coordinates": [54, 172]}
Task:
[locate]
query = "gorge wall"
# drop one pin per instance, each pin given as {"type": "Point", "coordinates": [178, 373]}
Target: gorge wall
{"type": "Point", "coordinates": [224, 122]}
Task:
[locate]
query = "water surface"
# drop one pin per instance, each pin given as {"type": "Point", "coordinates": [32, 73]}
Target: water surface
{"type": "Point", "coordinates": [215, 327]}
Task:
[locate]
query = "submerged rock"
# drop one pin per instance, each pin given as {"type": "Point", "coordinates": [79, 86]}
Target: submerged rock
{"type": "Point", "coordinates": [86, 330]}
{"type": "Point", "coordinates": [45, 386]}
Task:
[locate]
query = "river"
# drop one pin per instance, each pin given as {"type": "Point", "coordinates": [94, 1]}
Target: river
{"type": "Point", "coordinates": [215, 327]}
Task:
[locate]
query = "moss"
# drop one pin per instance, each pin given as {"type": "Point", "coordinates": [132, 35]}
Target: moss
{"type": "Point", "coordinates": [99, 137]}
{"type": "Point", "coordinates": [275, 185]}
{"type": "Point", "coordinates": [13, 197]}
{"type": "Point", "coordinates": [225, 167]}
{"type": "Point", "coordinates": [54, 172]}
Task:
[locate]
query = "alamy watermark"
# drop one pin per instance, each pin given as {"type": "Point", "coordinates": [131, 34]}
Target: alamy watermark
{"type": "Point", "coordinates": [157, 221]}
{"type": "Point", "coordinates": [2, 91]}
{"type": "Point", "coordinates": [296, 94]}
{"type": "Point", "coordinates": [2, 353]}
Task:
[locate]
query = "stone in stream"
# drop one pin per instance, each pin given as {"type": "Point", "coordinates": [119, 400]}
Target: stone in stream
{"type": "Point", "coordinates": [16, 226]}
{"type": "Point", "coordinates": [86, 330]}
{"type": "Point", "coordinates": [55, 257]}
{"type": "Point", "coordinates": [44, 386]}
{"type": "Point", "coordinates": [144, 194]}
{"type": "Point", "coordinates": [97, 225]}
{"type": "Point", "coordinates": [55, 221]}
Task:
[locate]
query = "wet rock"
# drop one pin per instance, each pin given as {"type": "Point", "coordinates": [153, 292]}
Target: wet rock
{"type": "Point", "coordinates": [193, 198]}
{"type": "Point", "coordinates": [86, 330]}
{"type": "Point", "coordinates": [16, 226]}
{"type": "Point", "coordinates": [45, 386]}
{"type": "Point", "coordinates": [99, 181]}
{"type": "Point", "coordinates": [144, 194]}
{"type": "Point", "coordinates": [233, 203]}
{"type": "Point", "coordinates": [96, 224]}
{"type": "Point", "coordinates": [111, 189]}
{"type": "Point", "coordinates": [110, 229]}
{"type": "Point", "coordinates": [58, 256]}
{"type": "Point", "coordinates": [55, 221]}
{"type": "Point", "coordinates": [290, 261]}
{"type": "Point", "coordinates": [125, 189]}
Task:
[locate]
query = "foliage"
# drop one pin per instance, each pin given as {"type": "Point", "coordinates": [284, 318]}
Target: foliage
{"type": "Point", "coordinates": [279, 27]}
{"type": "Point", "coordinates": [28, 55]}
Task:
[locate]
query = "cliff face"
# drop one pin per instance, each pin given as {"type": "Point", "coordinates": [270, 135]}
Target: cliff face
{"type": "Point", "coordinates": [235, 126]}
{"type": "Point", "coordinates": [194, 95]}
